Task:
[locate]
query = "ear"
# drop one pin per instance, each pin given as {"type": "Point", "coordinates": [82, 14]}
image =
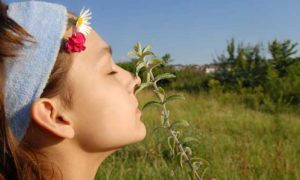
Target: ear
{"type": "Point", "coordinates": [48, 114]}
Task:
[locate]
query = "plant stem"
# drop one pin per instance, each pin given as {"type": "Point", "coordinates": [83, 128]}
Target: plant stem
{"type": "Point", "coordinates": [173, 132]}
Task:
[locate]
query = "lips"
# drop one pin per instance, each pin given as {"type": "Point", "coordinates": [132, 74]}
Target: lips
{"type": "Point", "coordinates": [138, 111]}
{"type": "Point", "coordinates": [136, 103]}
{"type": "Point", "coordinates": [137, 106]}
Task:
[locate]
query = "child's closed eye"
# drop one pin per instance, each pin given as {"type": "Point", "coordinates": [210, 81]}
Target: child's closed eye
{"type": "Point", "coordinates": [112, 73]}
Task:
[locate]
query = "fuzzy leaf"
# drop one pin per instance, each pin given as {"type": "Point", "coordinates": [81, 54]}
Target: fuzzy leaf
{"type": "Point", "coordinates": [149, 103]}
{"type": "Point", "coordinates": [147, 53]}
{"type": "Point", "coordinates": [181, 160]}
{"type": "Point", "coordinates": [188, 151]}
{"type": "Point", "coordinates": [175, 97]}
{"type": "Point", "coordinates": [142, 86]}
{"type": "Point", "coordinates": [155, 62]}
{"type": "Point", "coordinates": [172, 152]}
{"type": "Point", "coordinates": [139, 67]}
{"type": "Point", "coordinates": [177, 133]}
{"type": "Point", "coordinates": [170, 144]}
{"type": "Point", "coordinates": [202, 161]}
{"type": "Point", "coordinates": [160, 90]}
{"type": "Point", "coordinates": [139, 48]}
{"type": "Point", "coordinates": [145, 49]}
{"type": "Point", "coordinates": [136, 47]}
{"type": "Point", "coordinates": [132, 53]}
{"type": "Point", "coordinates": [182, 123]}
{"type": "Point", "coordinates": [196, 165]}
{"type": "Point", "coordinates": [164, 76]}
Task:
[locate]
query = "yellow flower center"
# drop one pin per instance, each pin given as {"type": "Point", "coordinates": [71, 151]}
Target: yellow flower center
{"type": "Point", "coordinates": [79, 21]}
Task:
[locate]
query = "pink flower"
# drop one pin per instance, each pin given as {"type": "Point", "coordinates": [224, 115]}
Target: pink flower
{"type": "Point", "coordinates": [76, 42]}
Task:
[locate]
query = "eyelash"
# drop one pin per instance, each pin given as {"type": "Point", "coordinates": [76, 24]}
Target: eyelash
{"type": "Point", "coordinates": [112, 73]}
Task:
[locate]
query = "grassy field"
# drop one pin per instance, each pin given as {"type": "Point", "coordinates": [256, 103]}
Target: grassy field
{"type": "Point", "coordinates": [236, 141]}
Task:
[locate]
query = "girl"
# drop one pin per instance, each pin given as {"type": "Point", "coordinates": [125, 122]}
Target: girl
{"type": "Point", "coordinates": [65, 105]}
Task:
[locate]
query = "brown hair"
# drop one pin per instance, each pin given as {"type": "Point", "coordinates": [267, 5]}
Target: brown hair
{"type": "Point", "coordinates": [19, 160]}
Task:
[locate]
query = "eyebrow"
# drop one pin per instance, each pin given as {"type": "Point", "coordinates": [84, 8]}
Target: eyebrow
{"type": "Point", "coordinates": [103, 51]}
{"type": "Point", "coordinates": [107, 49]}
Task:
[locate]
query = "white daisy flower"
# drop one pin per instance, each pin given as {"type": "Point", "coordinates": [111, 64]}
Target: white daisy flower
{"type": "Point", "coordinates": [82, 23]}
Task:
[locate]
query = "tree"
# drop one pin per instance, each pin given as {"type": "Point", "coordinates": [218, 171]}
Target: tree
{"type": "Point", "coordinates": [242, 67]}
{"type": "Point", "coordinates": [167, 58]}
{"type": "Point", "coordinates": [282, 53]}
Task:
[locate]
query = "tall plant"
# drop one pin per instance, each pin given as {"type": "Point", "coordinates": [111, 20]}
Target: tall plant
{"type": "Point", "coordinates": [147, 61]}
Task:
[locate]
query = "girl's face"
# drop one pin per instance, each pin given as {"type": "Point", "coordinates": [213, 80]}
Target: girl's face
{"type": "Point", "coordinates": [104, 110]}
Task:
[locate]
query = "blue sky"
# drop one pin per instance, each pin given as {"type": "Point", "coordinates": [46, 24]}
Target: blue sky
{"type": "Point", "coordinates": [192, 31]}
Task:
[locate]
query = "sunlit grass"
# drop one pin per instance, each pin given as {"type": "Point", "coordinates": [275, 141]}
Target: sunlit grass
{"type": "Point", "coordinates": [238, 143]}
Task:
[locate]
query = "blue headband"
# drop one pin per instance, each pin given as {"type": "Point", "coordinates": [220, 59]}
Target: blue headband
{"type": "Point", "coordinates": [27, 75]}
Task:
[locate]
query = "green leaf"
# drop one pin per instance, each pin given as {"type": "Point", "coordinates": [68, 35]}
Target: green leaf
{"type": "Point", "coordinates": [172, 152]}
{"type": "Point", "coordinates": [188, 150]}
{"type": "Point", "coordinates": [203, 161]}
{"type": "Point", "coordinates": [189, 139]}
{"type": "Point", "coordinates": [160, 90]}
{"type": "Point", "coordinates": [145, 49]}
{"type": "Point", "coordinates": [139, 48]}
{"type": "Point", "coordinates": [155, 62]}
{"type": "Point", "coordinates": [139, 67]}
{"type": "Point", "coordinates": [182, 123]}
{"type": "Point", "coordinates": [204, 172]}
{"type": "Point", "coordinates": [170, 144]}
{"type": "Point", "coordinates": [136, 47]}
{"type": "Point", "coordinates": [149, 103]}
{"type": "Point", "coordinates": [164, 76]}
{"type": "Point", "coordinates": [132, 53]}
{"type": "Point", "coordinates": [175, 97]}
{"type": "Point", "coordinates": [181, 160]}
{"type": "Point", "coordinates": [178, 133]}
{"type": "Point", "coordinates": [142, 86]}
{"type": "Point", "coordinates": [147, 53]}
{"type": "Point", "coordinates": [196, 164]}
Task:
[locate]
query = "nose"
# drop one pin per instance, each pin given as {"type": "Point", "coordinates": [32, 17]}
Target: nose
{"type": "Point", "coordinates": [136, 82]}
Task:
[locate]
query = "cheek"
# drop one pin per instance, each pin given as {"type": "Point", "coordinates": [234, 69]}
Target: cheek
{"type": "Point", "coordinates": [107, 119]}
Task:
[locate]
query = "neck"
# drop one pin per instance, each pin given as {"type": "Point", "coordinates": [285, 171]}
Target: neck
{"type": "Point", "coordinates": [67, 159]}
{"type": "Point", "coordinates": [75, 164]}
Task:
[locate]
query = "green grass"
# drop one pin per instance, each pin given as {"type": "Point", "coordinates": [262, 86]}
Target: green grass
{"type": "Point", "coordinates": [236, 141]}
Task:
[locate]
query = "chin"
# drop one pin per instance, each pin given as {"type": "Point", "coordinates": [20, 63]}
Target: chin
{"type": "Point", "coordinates": [141, 134]}
{"type": "Point", "coordinates": [138, 135]}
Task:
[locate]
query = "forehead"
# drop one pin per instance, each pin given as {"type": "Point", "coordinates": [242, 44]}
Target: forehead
{"type": "Point", "coordinates": [96, 47]}
{"type": "Point", "coordinates": [94, 43]}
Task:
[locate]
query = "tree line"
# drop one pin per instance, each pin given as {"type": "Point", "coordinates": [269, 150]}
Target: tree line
{"type": "Point", "coordinates": [263, 75]}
